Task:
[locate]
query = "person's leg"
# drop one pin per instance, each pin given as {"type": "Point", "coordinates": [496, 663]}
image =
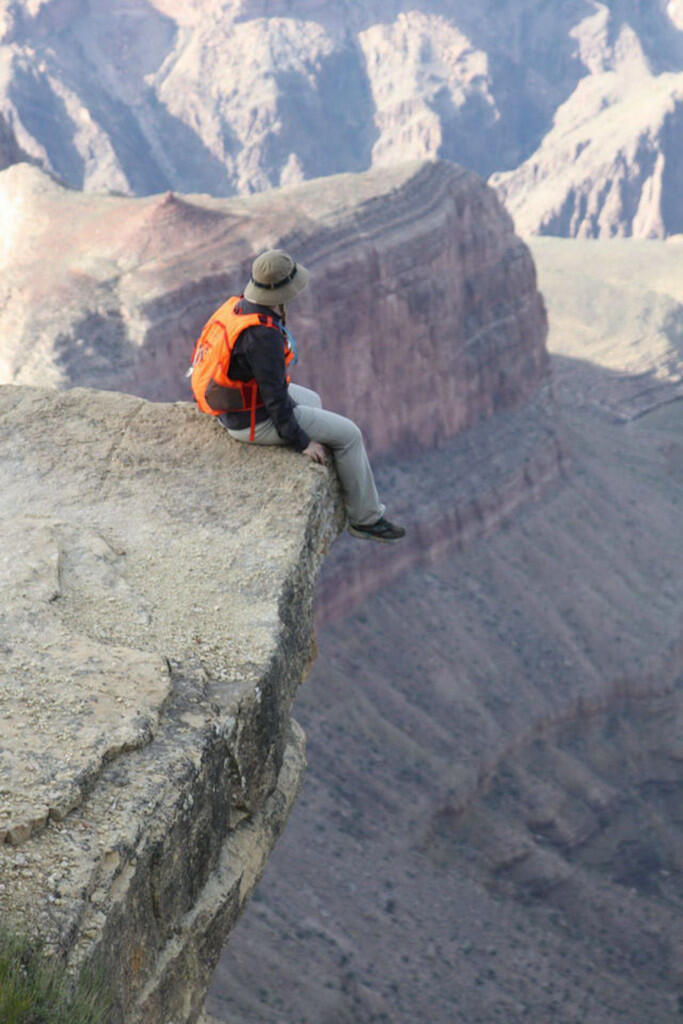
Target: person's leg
{"type": "Point", "coordinates": [345, 440]}
{"type": "Point", "coordinates": [264, 433]}
{"type": "Point", "coordinates": [305, 396]}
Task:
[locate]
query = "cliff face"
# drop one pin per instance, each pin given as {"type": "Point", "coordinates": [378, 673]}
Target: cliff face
{"type": "Point", "coordinates": [155, 617]}
{"type": "Point", "coordinates": [422, 317]}
{"type": "Point", "coordinates": [491, 824]}
{"type": "Point", "coordinates": [580, 105]}
{"type": "Point", "coordinates": [607, 164]}
{"type": "Point", "coordinates": [616, 349]}
{"type": "Point", "coordinates": [607, 167]}
{"type": "Point", "coordinates": [493, 733]}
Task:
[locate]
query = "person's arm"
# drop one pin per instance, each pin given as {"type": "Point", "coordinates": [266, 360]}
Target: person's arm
{"type": "Point", "coordinates": [265, 354]}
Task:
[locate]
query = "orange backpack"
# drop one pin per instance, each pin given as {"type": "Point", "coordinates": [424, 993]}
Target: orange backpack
{"type": "Point", "coordinates": [214, 391]}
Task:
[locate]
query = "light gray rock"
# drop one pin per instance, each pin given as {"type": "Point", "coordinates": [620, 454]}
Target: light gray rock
{"type": "Point", "coordinates": [155, 622]}
{"type": "Point", "coordinates": [609, 165]}
{"type": "Point", "coordinates": [68, 703]}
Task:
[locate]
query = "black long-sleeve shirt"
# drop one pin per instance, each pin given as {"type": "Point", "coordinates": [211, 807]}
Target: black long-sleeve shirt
{"type": "Point", "coordinates": [259, 355]}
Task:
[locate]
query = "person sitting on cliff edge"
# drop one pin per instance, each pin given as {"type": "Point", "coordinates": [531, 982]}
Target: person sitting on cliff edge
{"type": "Point", "coordinates": [239, 374]}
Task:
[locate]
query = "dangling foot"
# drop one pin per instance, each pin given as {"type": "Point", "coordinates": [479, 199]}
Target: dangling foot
{"type": "Point", "coordinates": [382, 530]}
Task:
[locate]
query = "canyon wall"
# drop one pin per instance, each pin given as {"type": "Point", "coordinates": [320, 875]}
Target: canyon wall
{"type": "Point", "coordinates": [578, 107]}
{"type": "Point", "coordinates": [155, 623]}
{"type": "Point", "coordinates": [490, 826]}
{"type": "Point", "coordinates": [422, 317]}
{"type": "Point", "coordinates": [615, 340]}
{"type": "Point", "coordinates": [534, 594]}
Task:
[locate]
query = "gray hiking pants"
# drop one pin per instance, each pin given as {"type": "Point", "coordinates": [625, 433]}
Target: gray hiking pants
{"type": "Point", "coordinates": [345, 440]}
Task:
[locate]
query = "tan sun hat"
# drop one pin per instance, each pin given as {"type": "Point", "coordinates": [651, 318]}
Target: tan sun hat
{"type": "Point", "coordinates": [275, 278]}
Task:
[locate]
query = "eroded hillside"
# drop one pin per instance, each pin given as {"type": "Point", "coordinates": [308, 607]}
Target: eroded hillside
{"type": "Point", "coordinates": [577, 105]}
{"type": "Point", "coordinates": [490, 827]}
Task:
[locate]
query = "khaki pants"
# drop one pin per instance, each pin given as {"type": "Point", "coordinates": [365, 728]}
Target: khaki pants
{"type": "Point", "coordinates": [343, 438]}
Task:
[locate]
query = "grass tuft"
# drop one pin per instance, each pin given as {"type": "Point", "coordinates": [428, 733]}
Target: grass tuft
{"type": "Point", "coordinates": [36, 990]}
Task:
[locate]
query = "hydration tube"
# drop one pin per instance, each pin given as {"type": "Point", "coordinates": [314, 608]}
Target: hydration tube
{"type": "Point", "coordinates": [290, 341]}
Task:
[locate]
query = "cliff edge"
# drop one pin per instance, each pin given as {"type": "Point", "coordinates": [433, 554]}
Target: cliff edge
{"type": "Point", "coordinates": [156, 609]}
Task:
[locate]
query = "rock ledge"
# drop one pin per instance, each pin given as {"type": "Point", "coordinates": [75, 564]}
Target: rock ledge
{"type": "Point", "coordinates": [155, 622]}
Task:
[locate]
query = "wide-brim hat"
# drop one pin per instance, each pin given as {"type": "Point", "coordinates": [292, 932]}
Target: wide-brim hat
{"type": "Point", "coordinates": [275, 278]}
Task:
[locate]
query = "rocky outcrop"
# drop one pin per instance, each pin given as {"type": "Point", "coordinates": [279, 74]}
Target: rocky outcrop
{"type": "Point", "coordinates": [413, 266]}
{"type": "Point", "coordinates": [607, 167]}
{"type": "Point", "coordinates": [581, 105]}
{"type": "Point", "coordinates": [155, 616]}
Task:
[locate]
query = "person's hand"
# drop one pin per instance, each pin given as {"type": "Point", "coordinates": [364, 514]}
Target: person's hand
{"type": "Point", "coordinates": [315, 451]}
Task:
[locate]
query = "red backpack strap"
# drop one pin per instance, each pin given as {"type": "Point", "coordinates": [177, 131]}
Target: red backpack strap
{"type": "Point", "coordinates": [254, 393]}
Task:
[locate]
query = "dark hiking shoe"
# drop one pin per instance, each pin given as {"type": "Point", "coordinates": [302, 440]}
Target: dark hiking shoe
{"type": "Point", "coordinates": [382, 530]}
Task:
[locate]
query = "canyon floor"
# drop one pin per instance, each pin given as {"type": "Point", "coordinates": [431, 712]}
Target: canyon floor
{"type": "Point", "coordinates": [490, 827]}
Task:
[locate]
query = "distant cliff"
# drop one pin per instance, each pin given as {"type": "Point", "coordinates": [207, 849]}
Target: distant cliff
{"type": "Point", "coordinates": [155, 621]}
{"type": "Point", "coordinates": [422, 318]}
{"type": "Point", "coordinates": [578, 104]}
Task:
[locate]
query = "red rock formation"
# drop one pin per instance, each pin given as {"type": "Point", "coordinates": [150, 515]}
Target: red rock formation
{"type": "Point", "coordinates": [422, 317]}
{"type": "Point", "coordinates": [433, 300]}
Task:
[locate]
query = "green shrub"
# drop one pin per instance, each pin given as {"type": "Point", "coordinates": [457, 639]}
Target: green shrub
{"type": "Point", "coordinates": [36, 990]}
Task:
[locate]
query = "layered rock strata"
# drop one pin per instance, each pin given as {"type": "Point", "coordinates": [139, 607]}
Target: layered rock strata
{"type": "Point", "coordinates": [157, 591]}
{"type": "Point", "coordinates": [449, 498]}
{"type": "Point", "coordinates": [580, 105]}
{"type": "Point", "coordinates": [616, 347]}
{"type": "Point", "coordinates": [422, 318]}
{"type": "Point", "coordinates": [491, 825]}
{"type": "Point", "coordinates": [607, 167]}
